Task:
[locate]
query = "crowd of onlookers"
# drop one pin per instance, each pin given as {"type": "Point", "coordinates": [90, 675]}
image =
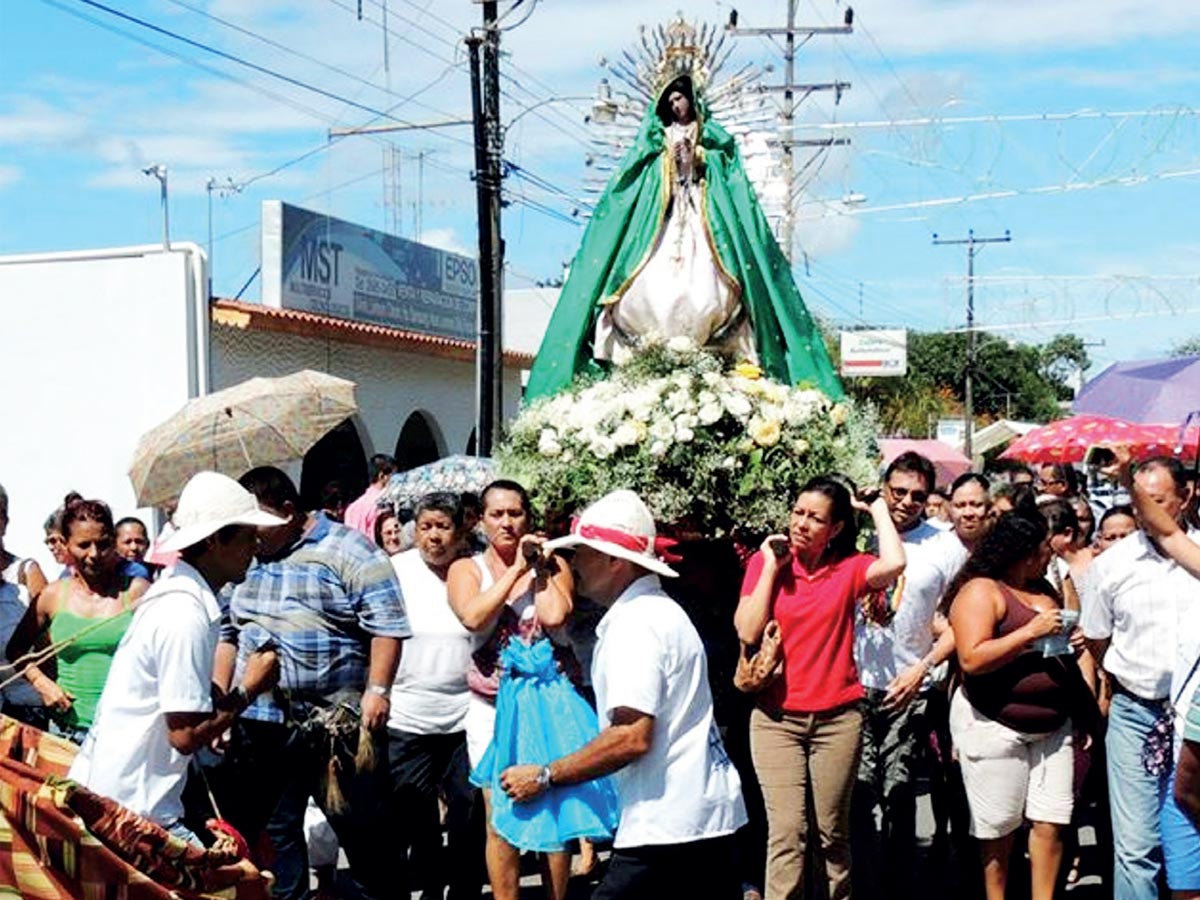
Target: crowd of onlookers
{"type": "Point", "coordinates": [1019, 652]}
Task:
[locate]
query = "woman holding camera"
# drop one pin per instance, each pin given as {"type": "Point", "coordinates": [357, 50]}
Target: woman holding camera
{"type": "Point", "coordinates": [807, 728]}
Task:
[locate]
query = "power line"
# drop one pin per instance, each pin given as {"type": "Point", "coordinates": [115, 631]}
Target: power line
{"type": "Point", "coordinates": [230, 57]}
{"type": "Point", "coordinates": [166, 51]}
{"type": "Point", "coordinates": [292, 51]}
{"type": "Point", "coordinates": [456, 30]}
{"type": "Point", "coordinates": [1062, 188]}
{"type": "Point", "coordinates": [938, 121]}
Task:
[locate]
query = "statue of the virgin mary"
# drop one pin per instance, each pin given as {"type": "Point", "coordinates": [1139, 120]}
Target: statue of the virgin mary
{"type": "Point", "coordinates": [678, 246]}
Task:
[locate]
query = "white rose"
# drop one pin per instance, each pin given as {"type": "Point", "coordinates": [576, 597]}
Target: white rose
{"type": "Point", "coordinates": [710, 413]}
{"type": "Point", "coordinates": [683, 433]}
{"type": "Point", "coordinates": [678, 401]}
{"type": "Point", "coordinates": [549, 446]}
{"type": "Point", "coordinates": [737, 404]}
{"type": "Point", "coordinates": [662, 429]}
{"type": "Point", "coordinates": [658, 448]}
{"type": "Point", "coordinates": [625, 435]}
{"type": "Point", "coordinates": [602, 447]}
{"type": "Point", "coordinates": [839, 414]}
{"type": "Point", "coordinates": [681, 343]}
{"type": "Point", "coordinates": [775, 392]}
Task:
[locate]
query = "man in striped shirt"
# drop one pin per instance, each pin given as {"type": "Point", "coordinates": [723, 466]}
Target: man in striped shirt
{"type": "Point", "coordinates": [327, 599]}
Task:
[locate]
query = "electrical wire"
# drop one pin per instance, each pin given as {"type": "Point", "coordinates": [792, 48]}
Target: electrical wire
{"type": "Point", "coordinates": [253, 66]}
{"type": "Point", "coordinates": [504, 75]}
{"type": "Point", "coordinates": [215, 72]}
{"type": "Point", "coordinates": [292, 51]}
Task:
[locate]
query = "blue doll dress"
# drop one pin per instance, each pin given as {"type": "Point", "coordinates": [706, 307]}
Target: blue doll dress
{"type": "Point", "coordinates": [540, 717]}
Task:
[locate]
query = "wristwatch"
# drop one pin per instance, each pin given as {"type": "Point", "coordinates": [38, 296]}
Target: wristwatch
{"type": "Point", "coordinates": [380, 689]}
{"type": "Point", "coordinates": [543, 778]}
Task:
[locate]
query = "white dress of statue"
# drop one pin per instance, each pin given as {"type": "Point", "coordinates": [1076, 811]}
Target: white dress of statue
{"type": "Point", "coordinates": [681, 291]}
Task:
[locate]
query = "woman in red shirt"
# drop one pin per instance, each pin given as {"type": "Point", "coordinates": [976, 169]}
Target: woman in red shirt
{"type": "Point", "coordinates": [807, 727]}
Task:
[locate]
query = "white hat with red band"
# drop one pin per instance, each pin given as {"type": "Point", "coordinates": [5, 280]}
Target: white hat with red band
{"type": "Point", "coordinates": [618, 524]}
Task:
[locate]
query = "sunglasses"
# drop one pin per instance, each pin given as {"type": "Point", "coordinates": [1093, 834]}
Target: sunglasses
{"type": "Point", "coordinates": [900, 493]}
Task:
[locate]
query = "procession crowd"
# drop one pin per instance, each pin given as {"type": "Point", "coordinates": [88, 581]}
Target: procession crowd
{"type": "Point", "coordinates": [363, 678]}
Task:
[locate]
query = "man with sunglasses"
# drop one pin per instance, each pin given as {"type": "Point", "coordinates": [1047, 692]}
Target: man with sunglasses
{"type": "Point", "coordinates": [895, 651]}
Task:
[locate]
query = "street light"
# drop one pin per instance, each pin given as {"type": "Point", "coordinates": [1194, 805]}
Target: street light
{"type": "Point", "coordinates": [545, 102]}
{"type": "Point", "coordinates": [159, 171]}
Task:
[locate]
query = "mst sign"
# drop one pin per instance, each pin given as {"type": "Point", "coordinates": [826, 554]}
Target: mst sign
{"type": "Point", "coordinates": [319, 264]}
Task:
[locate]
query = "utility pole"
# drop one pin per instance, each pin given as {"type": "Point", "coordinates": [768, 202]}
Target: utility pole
{"type": "Point", "coordinates": [790, 88]}
{"type": "Point", "coordinates": [484, 51]}
{"type": "Point", "coordinates": [971, 243]}
{"type": "Point", "coordinates": [224, 189]}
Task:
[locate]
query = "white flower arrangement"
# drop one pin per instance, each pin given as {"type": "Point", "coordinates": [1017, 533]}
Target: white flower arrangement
{"type": "Point", "coordinates": [712, 449]}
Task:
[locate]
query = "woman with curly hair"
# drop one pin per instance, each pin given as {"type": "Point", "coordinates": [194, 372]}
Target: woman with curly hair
{"type": "Point", "coordinates": [1011, 719]}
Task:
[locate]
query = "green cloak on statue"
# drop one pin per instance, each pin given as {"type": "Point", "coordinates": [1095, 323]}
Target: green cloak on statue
{"type": "Point", "coordinates": [679, 220]}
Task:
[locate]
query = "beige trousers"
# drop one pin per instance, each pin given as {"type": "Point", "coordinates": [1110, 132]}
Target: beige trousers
{"type": "Point", "coordinates": [792, 753]}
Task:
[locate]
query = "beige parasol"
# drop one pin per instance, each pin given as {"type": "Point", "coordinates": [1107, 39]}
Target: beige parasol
{"type": "Point", "coordinates": [262, 421]}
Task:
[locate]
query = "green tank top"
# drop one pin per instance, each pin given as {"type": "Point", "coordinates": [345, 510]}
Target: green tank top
{"type": "Point", "coordinates": [84, 663]}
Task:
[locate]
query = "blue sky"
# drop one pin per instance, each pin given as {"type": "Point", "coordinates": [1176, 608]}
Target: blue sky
{"type": "Point", "coordinates": [1101, 208]}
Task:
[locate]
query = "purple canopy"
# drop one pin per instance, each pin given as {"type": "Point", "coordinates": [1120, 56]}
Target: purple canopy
{"type": "Point", "coordinates": [1155, 391]}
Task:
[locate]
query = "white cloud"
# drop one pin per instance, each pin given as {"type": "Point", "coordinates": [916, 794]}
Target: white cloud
{"type": "Point", "coordinates": [445, 239]}
{"type": "Point", "coordinates": [910, 27]}
{"type": "Point", "coordinates": [36, 123]}
{"type": "Point", "coordinates": [9, 175]}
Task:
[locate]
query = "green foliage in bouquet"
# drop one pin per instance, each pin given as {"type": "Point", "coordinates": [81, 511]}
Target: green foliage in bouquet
{"type": "Point", "coordinates": [714, 450]}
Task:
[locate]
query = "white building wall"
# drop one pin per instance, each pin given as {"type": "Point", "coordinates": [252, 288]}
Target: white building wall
{"type": "Point", "coordinates": [392, 384]}
{"type": "Point", "coordinates": [96, 347]}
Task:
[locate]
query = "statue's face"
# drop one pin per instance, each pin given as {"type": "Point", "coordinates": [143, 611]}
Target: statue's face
{"type": "Point", "coordinates": [681, 107]}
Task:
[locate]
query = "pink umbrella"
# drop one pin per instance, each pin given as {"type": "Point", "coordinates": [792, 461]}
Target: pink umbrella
{"type": "Point", "coordinates": [948, 462]}
{"type": "Point", "coordinates": [1068, 440]}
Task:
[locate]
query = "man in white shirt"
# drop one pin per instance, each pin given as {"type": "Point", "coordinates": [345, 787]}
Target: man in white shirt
{"type": "Point", "coordinates": [158, 707]}
{"type": "Point", "coordinates": [1131, 602]}
{"type": "Point", "coordinates": [427, 746]}
{"type": "Point", "coordinates": [680, 795]}
{"type": "Point", "coordinates": [894, 651]}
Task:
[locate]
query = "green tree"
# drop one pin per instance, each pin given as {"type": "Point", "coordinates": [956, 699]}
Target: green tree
{"type": "Point", "coordinates": [1187, 347]}
{"type": "Point", "coordinates": [1012, 380]}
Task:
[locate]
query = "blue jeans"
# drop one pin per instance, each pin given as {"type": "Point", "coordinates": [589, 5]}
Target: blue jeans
{"type": "Point", "coordinates": [179, 830]}
{"type": "Point", "coordinates": [1135, 798]}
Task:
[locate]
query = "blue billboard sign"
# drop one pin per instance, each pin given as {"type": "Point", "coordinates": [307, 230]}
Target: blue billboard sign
{"type": "Point", "coordinates": [319, 264]}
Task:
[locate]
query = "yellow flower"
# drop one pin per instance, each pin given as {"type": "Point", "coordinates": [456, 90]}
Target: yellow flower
{"type": "Point", "coordinates": [748, 370]}
{"type": "Point", "coordinates": [766, 432]}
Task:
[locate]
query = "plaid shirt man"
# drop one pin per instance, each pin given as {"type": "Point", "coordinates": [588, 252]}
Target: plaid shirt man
{"type": "Point", "coordinates": [319, 604]}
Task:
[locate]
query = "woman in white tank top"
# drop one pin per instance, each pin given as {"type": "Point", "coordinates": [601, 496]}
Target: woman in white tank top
{"type": "Point", "coordinates": [496, 594]}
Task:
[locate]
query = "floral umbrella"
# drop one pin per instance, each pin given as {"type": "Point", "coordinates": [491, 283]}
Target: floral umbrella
{"type": "Point", "coordinates": [260, 422]}
{"type": "Point", "coordinates": [1068, 440]}
{"type": "Point", "coordinates": [456, 474]}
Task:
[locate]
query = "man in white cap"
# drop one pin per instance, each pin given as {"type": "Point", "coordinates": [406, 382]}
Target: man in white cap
{"type": "Point", "coordinates": [158, 706]}
{"type": "Point", "coordinates": [681, 798]}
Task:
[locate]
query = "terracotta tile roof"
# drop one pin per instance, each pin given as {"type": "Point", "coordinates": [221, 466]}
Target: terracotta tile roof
{"type": "Point", "coordinates": [257, 317]}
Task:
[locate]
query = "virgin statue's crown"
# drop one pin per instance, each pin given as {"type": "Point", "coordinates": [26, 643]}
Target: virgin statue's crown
{"type": "Point", "coordinates": [681, 51]}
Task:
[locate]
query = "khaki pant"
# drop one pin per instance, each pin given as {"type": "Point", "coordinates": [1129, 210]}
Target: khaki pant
{"type": "Point", "coordinates": [792, 753]}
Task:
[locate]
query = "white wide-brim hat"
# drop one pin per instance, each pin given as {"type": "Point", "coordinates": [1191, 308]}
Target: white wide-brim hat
{"type": "Point", "coordinates": [209, 502]}
{"type": "Point", "coordinates": [618, 524]}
